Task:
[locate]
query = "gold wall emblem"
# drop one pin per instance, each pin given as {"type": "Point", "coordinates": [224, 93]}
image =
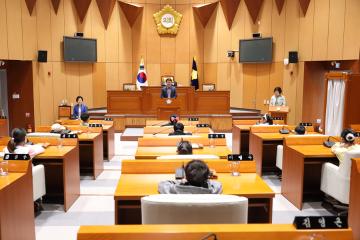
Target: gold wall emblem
{"type": "Point", "coordinates": [167, 20]}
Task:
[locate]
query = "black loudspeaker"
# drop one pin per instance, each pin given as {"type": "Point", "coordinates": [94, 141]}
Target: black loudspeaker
{"type": "Point", "coordinates": [42, 56]}
{"type": "Point", "coordinates": [293, 57]}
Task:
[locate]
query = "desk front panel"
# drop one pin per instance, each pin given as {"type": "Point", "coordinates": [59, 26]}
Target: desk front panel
{"type": "Point", "coordinates": [132, 187]}
{"type": "Point", "coordinates": [148, 100]}
{"type": "Point", "coordinates": [154, 152]}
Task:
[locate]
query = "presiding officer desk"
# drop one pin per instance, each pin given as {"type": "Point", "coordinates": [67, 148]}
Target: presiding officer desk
{"type": "Point", "coordinates": [134, 108]}
{"type": "Point", "coordinates": [61, 163]}
{"type": "Point", "coordinates": [16, 202]}
{"type": "Point", "coordinates": [222, 231]}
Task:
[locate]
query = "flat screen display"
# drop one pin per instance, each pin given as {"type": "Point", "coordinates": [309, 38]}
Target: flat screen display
{"type": "Point", "coordinates": [257, 50]}
{"type": "Point", "coordinates": [80, 49]}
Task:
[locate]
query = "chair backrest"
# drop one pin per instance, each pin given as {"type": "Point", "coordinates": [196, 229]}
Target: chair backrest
{"type": "Point", "coordinates": [345, 165]}
{"type": "Point", "coordinates": [191, 156]}
{"type": "Point", "coordinates": [194, 209]}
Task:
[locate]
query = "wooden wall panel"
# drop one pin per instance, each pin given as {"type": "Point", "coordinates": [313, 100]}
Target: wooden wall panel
{"type": "Point", "coordinates": [278, 33]}
{"type": "Point", "coordinates": [13, 18]}
{"type": "Point", "coordinates": [72, 81]}
{"type": "Point", "coordinates": [29, 39]}
{"type": "Point", "coordinates": [276, 77]}
{"type": "Point", "coordinates": [210, 73]}
{"type": "Point", "coordinates": [86, 83]}
{"type": "Point", "coordinates": [112, 76]}
{"type": "Point", "coordinates": [125, 39]}
{"type": "Point", "coordinates": [4, 50]}
{"type": "Point", "coordinates": [197, 38]}
{"type": "Point", "coordinates": [99, 85]}
{"type": "Point", "coordinates": [223, 39]}
{"type": "Point", "coordinates": [292, 21]}
{"type": "Point", "coordinates": [98, 31]}
{"type": "Point", "coordinates": [249, 78]}
{"type": "Point", "coordinates": [182, 47]}
{"type": "Point", "coordinates": [59, 83]}
{"type": "Point", "coordinates": [211, 42]}
{"type": "Point", "coordinates": [57, 33]}
{"type": "Point", "coordinates": [336, 29]}
{"type": "Point", "coordinates": [262, 86]}
{"type": "Point", "coordinates": [306, 28]}
{"type": "Point", "coordinates": [182, 74]}
{"type": "Point", "coordinates": [112, 38]}
{"type": "Point", "coordinates": [223, 77]}
{"type": "Point", "coordinates": [152, 36]}
{"type": "Point", "coordinates": [351, 31]}
{"type": "Point", "coordinates": [153, 74]}
{"type": "Point", "coordinates": [237, 82]}
{"type": "Point", "coordinates": [71, 18]}
{"type": "Point", "coordinates": [46, 102]}
{"type": "Point", "coordinates": [321, 30]}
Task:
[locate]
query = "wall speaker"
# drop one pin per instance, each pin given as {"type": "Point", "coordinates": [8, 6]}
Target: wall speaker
{"type": "Point", "coordinates": [42, 56]}
{"type": "Point", "coordinates": [293, 57]}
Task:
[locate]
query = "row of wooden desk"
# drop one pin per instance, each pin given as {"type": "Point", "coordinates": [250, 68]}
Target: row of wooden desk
{"type": "Point", "coordinates": [140, 178]}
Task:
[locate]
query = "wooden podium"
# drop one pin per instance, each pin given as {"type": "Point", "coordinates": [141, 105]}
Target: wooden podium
{"type": "Point", "coordinates": [279, 112]}
{"type": "Point", "coordinates": [167, 107]}
{"type": "Point", "coordinates": [64, 112]}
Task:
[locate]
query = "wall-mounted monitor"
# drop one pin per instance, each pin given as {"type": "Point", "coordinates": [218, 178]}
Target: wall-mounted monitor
{"type": "Point", "coordinates": [80, 49]}
{"type": "Point", "coordinates": [256, 50]}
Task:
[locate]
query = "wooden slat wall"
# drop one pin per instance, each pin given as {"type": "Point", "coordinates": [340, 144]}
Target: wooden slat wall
{"type": "Point", "coordinates": [329, 31]}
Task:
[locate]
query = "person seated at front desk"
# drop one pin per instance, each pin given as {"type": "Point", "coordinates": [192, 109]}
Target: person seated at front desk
{"type": "Point", "coordinates": [266, 119]}
{"type": "Point", "coordinates": [197, 181]}
{"type": "Point", "coordinates": [79, 108]}
{"type": "Point", "coordinates": [278, 99]}
{"type": "Point", "coordinates": [169, 91]}
{"type": "Point", "coordinates": [19, 144]}
{"type": "Point", "coordinates": [348, 143]}
{"type": "Point", "coordinates": [300, 130]}
{"type": "Point", "coordinates": [179, 130]}
{"type": "Point", "coordinates": [172, 121]}
{"type": "Point", "coordinates": [85, 117]}
{"type": "Point", "coordinates": [184, 148]}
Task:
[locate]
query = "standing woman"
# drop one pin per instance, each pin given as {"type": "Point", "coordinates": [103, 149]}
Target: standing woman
{"type": "Point", "coordinates": [79, 108]}
{"type": "Point", "coordinates": [278, 99]}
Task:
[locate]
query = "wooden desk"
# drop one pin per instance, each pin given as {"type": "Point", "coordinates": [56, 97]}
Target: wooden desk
{"type": "Point", "coordinates": [354, 207]}
{"type": "Point", "coordinates": [132, 187]}
{"type": "Point", "coordinates": [170, 129]}
{"type": "Point", "coordinates": [62, 174]}
{"type": "Point", "coordinates": [301, 174]}
{"type": "Point", "coordinates": [147, 100]}
{"type": "Point", "coordinates": [240, 138]}
{"type": "Point", "coordinates": [16, 204]}
{"type": "Point", "coordinates": [196, 232]}
{"type": "Point", "coordinates": [91, 154]}
{"type": "Point", "coordinates": [154, 152]}
{"type": "Point", "coordinates": [173, 141]}
{"type": "Point", "coordinates": [264, 146]}
{"type": "Point", "coordinates": [109, 141]}
{"type": "Point", "coordinates": [169, 166]}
